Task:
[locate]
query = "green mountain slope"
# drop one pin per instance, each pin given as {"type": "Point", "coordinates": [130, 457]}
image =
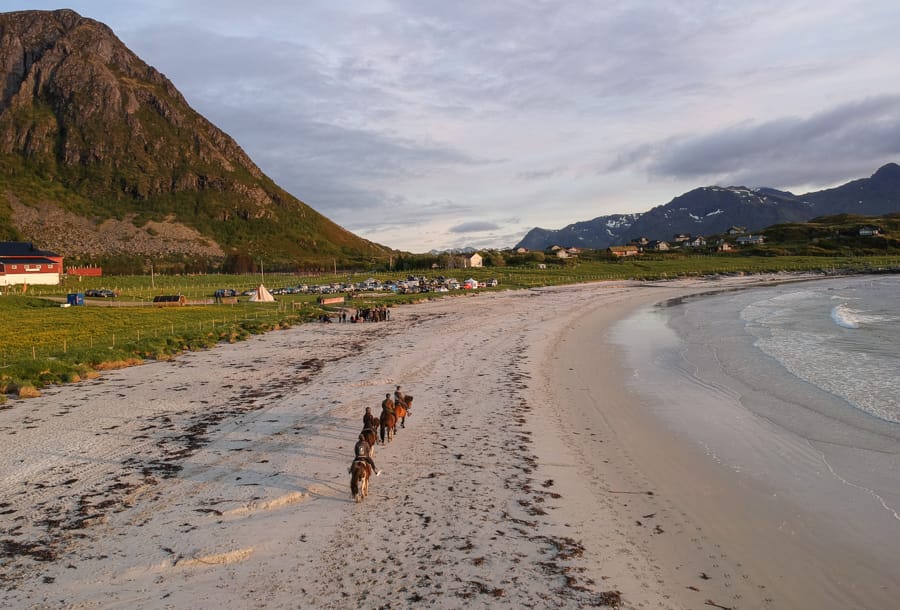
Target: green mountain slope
{"type": "Point", "coordinates": [100, 154]}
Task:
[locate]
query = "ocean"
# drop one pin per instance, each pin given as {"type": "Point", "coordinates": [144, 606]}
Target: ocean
{"type": "Point", "coordinates": [793, 391]}
{"type": "Point", "coordinates": [841, 336]}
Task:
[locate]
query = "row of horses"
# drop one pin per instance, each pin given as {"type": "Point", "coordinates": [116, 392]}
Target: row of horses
{"type": "Point", "coordinates": [383, 426]}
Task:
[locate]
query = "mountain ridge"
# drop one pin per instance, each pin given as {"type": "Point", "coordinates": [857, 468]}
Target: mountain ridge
{"type": "Point", "coordinates": [711, 210]}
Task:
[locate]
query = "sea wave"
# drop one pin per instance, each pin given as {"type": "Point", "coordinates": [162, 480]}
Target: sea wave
{"type": "Point", "coordinates": [845, 317]}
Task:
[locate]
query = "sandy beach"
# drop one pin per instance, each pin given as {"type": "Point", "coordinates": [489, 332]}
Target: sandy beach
{"type": "Point", "coordinates": [526, 475]}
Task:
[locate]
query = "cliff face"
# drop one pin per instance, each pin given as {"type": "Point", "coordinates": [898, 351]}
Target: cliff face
{"type": "Point", "coordinates": [88, 126]}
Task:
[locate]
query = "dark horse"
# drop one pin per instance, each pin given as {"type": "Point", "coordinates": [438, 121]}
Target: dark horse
{"type": "Point", "coordinates": [370, 437]}
{"type": "Point", "coordinates": [388, 425]}
{"type": "Point", "coordinates": [360, 471]}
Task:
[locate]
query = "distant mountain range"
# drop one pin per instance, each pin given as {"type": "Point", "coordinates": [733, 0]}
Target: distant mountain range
{"type": "Point", "coordinates": [713, 209]}
{"type": "Point", "coordinates": [101, 155]}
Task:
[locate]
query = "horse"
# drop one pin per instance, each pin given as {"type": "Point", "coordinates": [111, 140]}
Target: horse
{"type": "Point", "coordinates": [360, 471]}
{"type": "Point", "coordinates": [402, 411]}
{"type": "Point", "coordinates": [370, 436]}
{"type": "Point", "coordinates": [389, 425]}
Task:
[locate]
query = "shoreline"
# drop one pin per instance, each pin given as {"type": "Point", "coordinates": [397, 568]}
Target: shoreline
{"type": "Point", "coordinates": [219, 480]}
{"type": "Point", "coordinates": [745, 531]}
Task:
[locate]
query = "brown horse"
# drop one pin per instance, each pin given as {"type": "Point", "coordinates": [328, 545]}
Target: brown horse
{"type": "Point", "coordinates": [388, 425]}
{"type": "Point", "coordinates": [370, 437]}
{"type": "Point", "coordinates": [360, 472]}
{"type": "Point", "coordinates": [402, 411]}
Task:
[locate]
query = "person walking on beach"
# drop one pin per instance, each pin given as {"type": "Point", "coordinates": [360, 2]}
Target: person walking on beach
{"type": "Point", "coordinates": [361, 453]}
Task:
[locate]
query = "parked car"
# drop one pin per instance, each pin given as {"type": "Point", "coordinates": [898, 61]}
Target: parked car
{"type": "Point", "coordinates": [225, 292]}
{"type": "Point", "coordinates": [103, 293]}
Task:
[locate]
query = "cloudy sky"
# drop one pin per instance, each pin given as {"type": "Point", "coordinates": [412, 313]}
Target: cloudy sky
{"type": "Point", "coordinates": [425, 124]}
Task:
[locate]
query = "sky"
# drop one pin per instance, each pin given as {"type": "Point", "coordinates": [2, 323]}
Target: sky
{"type": "Point", "coordinates": [427, 124]}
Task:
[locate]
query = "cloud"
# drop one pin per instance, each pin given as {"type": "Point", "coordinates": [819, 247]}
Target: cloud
{"type": "Point", "coordinates": [540, 174]}
{"type": "Point", "coordinates": [477, 226]}
{"type": "Point", "coordinates": [847, 140]}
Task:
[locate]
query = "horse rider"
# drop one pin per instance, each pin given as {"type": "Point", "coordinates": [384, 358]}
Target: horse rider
{"type": "Point", "coordinates": [369, 419]}
{"type": "Point", "coordinates": [387, 404]}
{"type": "Point", "coordinates": [400, 398]}
{"type": "Point", "coordinates": [361, 453]}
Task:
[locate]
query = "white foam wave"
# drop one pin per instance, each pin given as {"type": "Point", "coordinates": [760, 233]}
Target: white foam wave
{"type": "Point", "coordinates": [853, 318]}
{"type": "Point", "coordinates": [845, 317]}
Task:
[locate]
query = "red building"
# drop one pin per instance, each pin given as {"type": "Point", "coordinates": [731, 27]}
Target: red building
{"type": "Point", "coordinates": [22, 263]}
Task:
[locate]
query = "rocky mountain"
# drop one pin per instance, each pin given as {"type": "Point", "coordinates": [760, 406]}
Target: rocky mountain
{"type": "Point", "coordinates": [713, 209]}
{"type": "Point", "coordinates": [100, 154]}
{"type": "Point", "coordinates": [598, 233]}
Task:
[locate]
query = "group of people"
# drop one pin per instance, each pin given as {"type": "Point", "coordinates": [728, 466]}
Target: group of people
{"type": "Point", "coordinates": [365, 314]}
{"type": "Point", "coordinates": [372, 314]}
{"type": "Point", "coordinates": [363, 449]}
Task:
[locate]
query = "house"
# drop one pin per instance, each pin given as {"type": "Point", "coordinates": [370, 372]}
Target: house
{"type": "Point", "coordinates": [696, 242]}
{"type": "Point", "coordinates": [474, 260]}
{"type": "Point", "coordinates": [680, 238]}
{"type": "Point", "coordinates": [640, 241]}
{"type": "Point", "coordinates": [521, 250]}
{"type": "Point", "coordinates": [724, 246]}
{"type": "Point", "coordinates": [562, 253]}
{"type": "Point", "coordinates": [22, 263]}
{"type": "Point", "coordinates": [736, 230]}
{"type": "Point", "coordinates": [869, 231]}
{"type": "Point", "coordinates": [657, 245]}
{"type": "Point", "coordinates": [620, 251]}
{"type": "Point", "coordinates": [748, 240]}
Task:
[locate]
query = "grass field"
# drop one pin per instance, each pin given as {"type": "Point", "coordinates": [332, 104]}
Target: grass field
{"type": "Point", "coordinates": [42, 343]}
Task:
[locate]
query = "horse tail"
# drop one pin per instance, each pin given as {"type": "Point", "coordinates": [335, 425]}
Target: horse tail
{"type": "Point", "coordinates": [354, 483]}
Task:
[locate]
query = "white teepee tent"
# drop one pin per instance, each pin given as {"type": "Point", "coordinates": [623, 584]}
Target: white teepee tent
{"type": "Point", "coordinates": [261, 295]}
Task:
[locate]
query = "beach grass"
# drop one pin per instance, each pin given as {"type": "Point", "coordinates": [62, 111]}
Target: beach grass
{"type": "Point", "coordinates": [42, 343]}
